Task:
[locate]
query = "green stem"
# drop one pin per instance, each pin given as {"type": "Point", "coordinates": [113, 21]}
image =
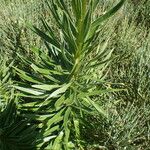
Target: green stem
{"type": "Point", "coordinates": [79, 40]}
{"type": "Point", "coordinates": [83, 8]}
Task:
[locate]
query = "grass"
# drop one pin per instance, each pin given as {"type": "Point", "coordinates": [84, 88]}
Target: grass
{"type": "Point", "coordinates": [127, 33]}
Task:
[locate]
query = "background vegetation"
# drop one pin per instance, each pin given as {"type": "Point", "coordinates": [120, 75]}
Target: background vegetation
{"type": "Point", "coordinates": [127, 33]}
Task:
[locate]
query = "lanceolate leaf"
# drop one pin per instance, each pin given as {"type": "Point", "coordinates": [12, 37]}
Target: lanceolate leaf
{"type": "Point", "coordinates": [59, 91]}
{"type": "Point", "coordinates": [58, 142]}
{"type": "Point", "coordinates": [59, 103]}
{"type": "Point", "coordinates": [48, 28]}
{"type": "Point", "coordinates": [54, 10]}
{"type": "Point", "coordinates": [104, 17]}
{"type": "Point", "coordinates": [97, 107]}
{"type": "Point", "coordinates": [46, 37]}
{"type": "Point", "coordinates": [26, 76]}
{"type": "Point", "coordinates": [29, 90]}
{"type": "Point", "coordinates": [66, 126]}
{"type": "Point", "coordinates": [76, 6]}
{"type": "Point", "coordinates": [58, 116]}
{"type": "Point", "coordinates": [46, 87]}
{"type": "Point", "coordinates": [108, 14]}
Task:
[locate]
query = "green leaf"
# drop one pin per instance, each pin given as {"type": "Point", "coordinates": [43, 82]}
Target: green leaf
{"type": "Point", "coordinates": [24, 75]}
{"type": "Point", "coordinates": [77, 6]}
{"type": "Point", "coordinates": [104, 17]}
{"type": "Point", "coordinates": [97, 107]}
{"type": "Point", "coordinates": [59, 91]}
{"type": "Point", "coordinates": [58, 142]}
{"type": "Point", "coordinates": [51, 130]}
{"type": "Point", "coordinates": [46, 87]}
{"type": "Point", "coordinates": [41, 70]}
{"type": "Point", "coordinates": [111, 12]}
{"type": "Point", "coordinates": [67, 13]}
{"type": "Point", "coordinates": [48, 28]}
{"type": "Point", "coordinates": [54, 10]}
{"type": "Point", "coordinates": [77, 129]}
{"type": "Point", "coordinates": [56, 118]}
{"type": "Point", "coordinates": [29, 90]}
{"type": "Point", "coordinates": [60, 102]}
{"type": "Point", "coordinates": [66, 127]}
{"type": "Point", "coordinates": [46, 37]}
{"type": "Point", "coordinates": [45, 70]}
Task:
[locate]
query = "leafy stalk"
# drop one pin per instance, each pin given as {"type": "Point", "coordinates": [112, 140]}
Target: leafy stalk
{"type": "Point", "coordinates": [57, 86]}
